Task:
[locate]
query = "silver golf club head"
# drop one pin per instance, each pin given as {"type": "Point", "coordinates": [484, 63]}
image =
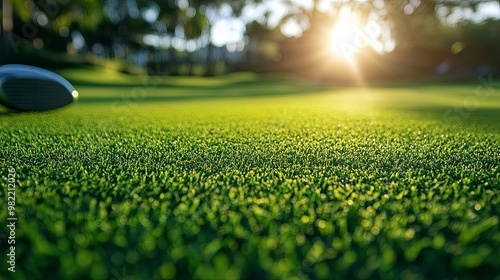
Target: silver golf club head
{"type": "Point", "coordinates": [29, 88]}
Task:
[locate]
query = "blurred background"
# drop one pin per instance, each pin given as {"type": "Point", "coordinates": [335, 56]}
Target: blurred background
{"type": "Point", "coordinates": [326, 40]}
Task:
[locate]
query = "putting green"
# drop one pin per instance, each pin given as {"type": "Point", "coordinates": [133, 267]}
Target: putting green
{"type": "Point", "coordinates": [249, 177]}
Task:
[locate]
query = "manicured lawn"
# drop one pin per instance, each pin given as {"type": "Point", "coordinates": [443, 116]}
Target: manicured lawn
{"type": "Point", "coordinates": [245, 177]}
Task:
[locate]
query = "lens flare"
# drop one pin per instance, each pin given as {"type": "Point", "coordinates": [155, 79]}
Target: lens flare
{"type": "Point", "coordinates": [344, 36]}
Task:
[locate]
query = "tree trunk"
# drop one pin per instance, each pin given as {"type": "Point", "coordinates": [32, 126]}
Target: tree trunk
{"type": "Point", "coordinates": [6, 28]}
{"type": "Point", "coordinates": [210, 64]}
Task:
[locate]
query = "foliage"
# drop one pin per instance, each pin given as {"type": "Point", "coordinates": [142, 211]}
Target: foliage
{"type": "Point", "coordinates": [116, 29]}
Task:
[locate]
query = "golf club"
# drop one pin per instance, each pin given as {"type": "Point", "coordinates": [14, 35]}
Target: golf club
{"type": "Point", "coordinates": [29, 88]}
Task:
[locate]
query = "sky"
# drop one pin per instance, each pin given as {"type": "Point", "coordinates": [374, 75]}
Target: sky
{"type": "Point", "coordinates": [228, 31]}
{"type": "Point", "coordinates": [485, 10]}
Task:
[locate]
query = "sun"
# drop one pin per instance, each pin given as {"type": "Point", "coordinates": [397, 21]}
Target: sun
{"type": "Point", "coordinates": [343, 38]}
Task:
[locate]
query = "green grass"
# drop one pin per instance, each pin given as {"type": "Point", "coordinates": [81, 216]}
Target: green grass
{"type": "Point", "coordinates": [244, 177]}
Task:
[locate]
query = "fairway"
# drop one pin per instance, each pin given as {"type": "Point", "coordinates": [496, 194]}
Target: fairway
{"type": "Point", "coordinates": [256, 177]}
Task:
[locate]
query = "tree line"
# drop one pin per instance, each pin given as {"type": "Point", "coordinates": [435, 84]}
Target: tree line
{"type": "Point", "coordinates": [180, 36]}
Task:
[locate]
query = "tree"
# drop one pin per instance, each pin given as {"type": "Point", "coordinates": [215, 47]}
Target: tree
{"type": "Point", "coordinates": [27, 21]}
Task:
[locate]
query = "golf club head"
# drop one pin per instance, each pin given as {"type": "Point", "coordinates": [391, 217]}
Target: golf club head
{"type": "Point", "coordinates": [29, 88]}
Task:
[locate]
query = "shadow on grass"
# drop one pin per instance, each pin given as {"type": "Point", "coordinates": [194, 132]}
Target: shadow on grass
{"type": "Point", "coordinates": [242, 79]}
{"type": "Point", "coordinates": [180, 98]}
{"type": "Point", "coordinates": [455, 115]}
{"type": "Point", "coordinates": [184, 93]}
{"type": "Point", "coordinates": [175, 84]}
{"type": "Point", "coordinates": [9, 113]}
